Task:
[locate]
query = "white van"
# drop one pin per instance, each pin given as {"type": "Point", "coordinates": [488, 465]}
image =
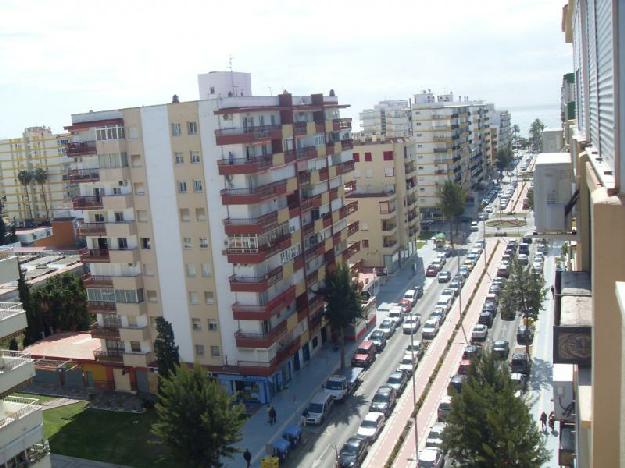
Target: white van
{"type": "Point", "coordinates": [396, 315]}
{"type": "Point", "coordinates": [444, 302]}
{"type": "Point", "coordinates": [318, 407]}
{"type": "Point", "coordinates": [411, 295]}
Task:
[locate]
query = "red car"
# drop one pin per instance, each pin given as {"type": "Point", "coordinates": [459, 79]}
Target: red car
{"type": "Point", "coordinates": [406, 306]}
{"type": "Point", "coordinates": [431, 271]}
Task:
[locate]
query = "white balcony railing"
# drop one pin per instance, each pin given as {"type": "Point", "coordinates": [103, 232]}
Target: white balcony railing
{"type": "Point", "coordinates": [15, 368]}
{"type": "Point", "coordinates": [21, 426]}
{"type": "Point", "coordinates": [12, 318]}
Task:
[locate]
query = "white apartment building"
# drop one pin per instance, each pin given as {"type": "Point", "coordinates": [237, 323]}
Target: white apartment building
{"type": "Point", "coordinates": [387, 119]}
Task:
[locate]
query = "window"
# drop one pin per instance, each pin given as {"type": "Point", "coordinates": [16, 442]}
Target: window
{"type": "Point", "coordinates": [142, 216]}
{"type": "Point", "coordinates": [112, 132]}
{"type": "Point", "coordinates": [191, 270]}
{"type": "Point", "coordinates": [197, 185]}
{"type": "Point", "coordinates": [212, 325]}
{"type": "Point", "coordinates": [387, 155]}
{"type": "Point", "coordinates": [206, 270]}
{"type": "Point", "coordinates": [139, 188]}
{"type": "Point", "coordinates": [119, 217]}
{"type": "Point", "coordinates": [135, 160]}
{"type": "Point", "coordinates": [365, 243]}
{"type": "Point", "coordinates": [389, 171]}
{"type": "Point", "coordinates": [195, 157]}
{"type": "Point", "coordinates": [122, 243]}
{"type": "Point", "coordinates": [182, 186]}
{"type": "Point", "coordinates": [215, 351]}
{"type": "Point", "coordinates": [209, 297]}
{"type": "Point", "coordinates": [175, 129]}
{"type": "Point", "coordinates": [135, 347]}
{"type": "Point", "coordinates": [185, 216]}
{"type": "Point", "coordinates": [200, 214]}
{"type": "Point", "coordinates": [203, 242]}
{"type": "Point", "coordinates": [146, 243]}
{"type": "Point", "coordinates": [199, 350]}
{"type": "Point", "coordinates": [151, 296]}
{"type": "Point", "coordinates": [99, 218]}
{"type": "Point", "coordinates": [192, 128]}
{"type": "Point", "coordinates": [148, 269]}
{"type": "Point", "coordinates": [186, 242]}
{"type": "Point", "coordinates": [178, 158]}
{"type": "Point", "coordinates": [356, 157]}
{"type": "Point", "coordinates": [196, 324]}
{"type": "Point", "coordinates": [193, 299]}
{"type": "Point", "coordinates": [368, 157]}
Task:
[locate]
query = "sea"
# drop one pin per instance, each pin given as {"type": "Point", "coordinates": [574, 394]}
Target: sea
{"type": "Point", "coordinates": [523, 116]}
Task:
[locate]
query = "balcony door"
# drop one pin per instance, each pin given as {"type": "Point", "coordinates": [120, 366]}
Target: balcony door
{"type": "Point", "coordinates": [103, 243]}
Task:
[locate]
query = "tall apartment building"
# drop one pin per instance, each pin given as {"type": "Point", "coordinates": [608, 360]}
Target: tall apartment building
{"type": "Point", "coordinates": [38, 147]}
{"type": "Point", "coordinates": [22, 441]}
{"type": "Point", "coordinates": [387, 222]}
{"type": "Point", "coordinates": [387, 119]}
{"type": "Point", "coordinates": [593, 344]}
{"type": "Point", "coordinates": [222, 215]}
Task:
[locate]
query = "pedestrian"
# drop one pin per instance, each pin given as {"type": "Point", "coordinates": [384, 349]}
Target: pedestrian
{"type": "Point", "coordinates": [553, 291]}
{"type": "Point", "coordinates": [272, 415]}
{"type": "Point", "coordinates": [247, 456]}
{"type": "Point", "coordinates": [543, 421]}
{"type": "Point", "coordinates": [269, 414]}
{"type": "Point", "coordinates": [552, 421]}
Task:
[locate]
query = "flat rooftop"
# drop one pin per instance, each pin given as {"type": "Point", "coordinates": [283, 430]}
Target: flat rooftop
{"type": "Point", "coordinates": [552, 158]}
{"type": "Point", "coordinates": [76, 346]}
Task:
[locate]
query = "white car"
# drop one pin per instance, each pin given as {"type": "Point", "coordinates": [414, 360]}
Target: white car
{"type": "Point", "coordinates": [479, 333]}
{"type": "Point", "coordinates": [539, 256]}
{"type": "Point", "coordinates": [407, 364]}
{"type": "Point", "coordinates": [387, 327]}
{"type": "Point", "coordinates": [430, 328]}
{"type": "Point", "coordinates": [523, 259]}
{"type": "Point", "coordinates": [431, 457]}
{"type": "Point", "coordinates": [537, 265]}
{"type": "Point", "coordinates": [435, 436]}
{"type": "Point", "coordinates": [411, 324]}
{"type": "Point", "coordinates": [371, 426]}
{"type": "Point", "coordinates": [474, 226]}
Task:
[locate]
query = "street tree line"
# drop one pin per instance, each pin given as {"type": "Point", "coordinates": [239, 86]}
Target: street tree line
{"type": "Point", "coordinates": [37, 176]}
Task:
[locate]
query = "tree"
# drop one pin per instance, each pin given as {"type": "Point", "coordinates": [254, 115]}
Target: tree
{"type": "Point", "coordinates": [165, 348]}
{"type": "Point", "coordinates": [530, 198]}
{"type": "Point", "coordinates": [488, 426]}
{"type": "Point", "coordinates": [343, 307]}
{"type": "Point", "coordinates": [196, 419]}
{"type": "Point", "coordinates": [504, 158]}
{"type": "Point", "coordinates": [34, 330]}
{"type": "Point", "coordinates": [523, 292]}
{"type": "Point", "coordinates": [62, 304]}
{"type": "Point", "coordinates": [453, 201]}
{"type": "Point", "coordinates": [515, 133]}
{"type": "Point", "coordinates": [536, 135]}
{"type": "Point", "coordinates": [25, 178]}
{"type": "Point", "coordinates": [41, 176]}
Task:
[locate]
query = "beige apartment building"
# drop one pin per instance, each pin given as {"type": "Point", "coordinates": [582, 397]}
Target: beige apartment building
{"type": "Point", "coordinates": [222, 215]}
{"type": "Point", "coordinates": [589, 328]}
{"type": "Point", "coordinates": [37, 148]}
{"type": "Point", "coordinates": [387, 221]}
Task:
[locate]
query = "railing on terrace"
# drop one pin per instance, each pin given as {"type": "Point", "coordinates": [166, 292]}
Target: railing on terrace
{"type": "Point", "coordinates": [27, 406]}
{"type": "Point", "coordinates": [10, 360]}
{"type": "Point", "coordinates": [10, 309]}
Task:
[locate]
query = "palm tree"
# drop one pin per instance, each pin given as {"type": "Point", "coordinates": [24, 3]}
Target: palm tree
{"type": "Point", "coordinates": [453, 201]}
{"type": "Point", "coordinates": [41, 176]}
{"type": "Point", "coordinates": [25, 178]}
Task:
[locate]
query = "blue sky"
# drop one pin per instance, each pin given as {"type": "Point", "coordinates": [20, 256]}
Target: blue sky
{"type": "Point", "coordinates": [62, 57]}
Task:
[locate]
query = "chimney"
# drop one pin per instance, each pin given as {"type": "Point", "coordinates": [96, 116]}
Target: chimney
{"type": "Point", "coordinates": [174, 99]}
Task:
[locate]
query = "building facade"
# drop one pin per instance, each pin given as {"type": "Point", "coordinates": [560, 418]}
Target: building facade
{"type": "Point", "coordinates": [387, 119]}
{"type": "Point", "coordinates": [22, 441]}
{"type": "Point", "coordinates": [597, 211]}
{"type": "Point", "coordinates": [37, 148]}
{"type": "Point", "coordinates": [387, 220]}
{"type": "Point", "coordinates": [221, 215]}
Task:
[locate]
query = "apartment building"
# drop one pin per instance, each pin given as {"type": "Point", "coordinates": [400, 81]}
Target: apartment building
{"type": "Point", "coordinates": [37, 148]}
{"type": "Point", "coordinates": [387, 119]}
{"type": "Point", "coordinates": [22, 441]}
{"type": "Point", "coordinates": [387, 221]}
{"type": "Point", "coordinates": [222, 215]}
{"type": "Point", "coordinates": [594, 342]}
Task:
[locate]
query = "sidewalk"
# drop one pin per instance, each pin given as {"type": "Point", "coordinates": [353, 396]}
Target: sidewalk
{"type": "Point", "coordinates": [290, 403]}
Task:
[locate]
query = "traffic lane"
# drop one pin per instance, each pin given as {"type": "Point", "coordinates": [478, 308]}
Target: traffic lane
{"type": "Point", "coordinates": [344, 419]}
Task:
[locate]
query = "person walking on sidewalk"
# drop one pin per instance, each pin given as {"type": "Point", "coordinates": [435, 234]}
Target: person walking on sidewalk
{"type": "Point", "coordinates": [543, 421]}
{"type": "Point", "coordinates": [553, 291]}
{"type": "Point", "coordinates": [271, 412]}
{"type": "Point", "coordinates": [552, 422]}
{"type": "Point", "coordinates": [247, 456]}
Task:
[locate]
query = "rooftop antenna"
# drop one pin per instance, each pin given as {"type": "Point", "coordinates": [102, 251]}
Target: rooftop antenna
{"type": "Point", "coordinates": [233, 87]}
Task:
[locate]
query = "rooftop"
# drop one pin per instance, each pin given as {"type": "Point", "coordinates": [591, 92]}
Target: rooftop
{"type": "Point", "coordinates": [77, 346]}
{"type": "Point", "coordinates": [545, 159]}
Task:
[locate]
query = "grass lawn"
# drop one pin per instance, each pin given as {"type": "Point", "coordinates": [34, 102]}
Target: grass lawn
{"type": "Point", "coordinates": [122, 438]}
{"type": "Point", "coordinates": [506, 223]}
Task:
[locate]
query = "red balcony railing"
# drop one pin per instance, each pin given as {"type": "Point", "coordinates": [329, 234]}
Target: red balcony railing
{"type": "Point", "coordinates": [324, 173]}
{"type": "Point", "coordinates": [344, 167]}
{"type": "Point", "coordinates": [300, 128]}
{"type": "Point", "coordinates": [341, 124]}
{"type": "Point", "coordinates": [298, 262]}
{"type": "Point", "coordinates": [259, 225]}
{"type": "Point", "coordinates": [312, 202]}
{"type": "Point", "coordinates": [347, 144]}
{"type": "Point", "coordinates": [348, 209]}
{"type": "Point", "coordinates": [239, 283]}
{"type": "Point", "coordinates": [260, 340]}
{"type": "Point", "coordinates": [329, 148]}
{"type": "Point", "coordinates": [352, 228]}
{"type": "Point", "coordinates": [327, 220]}
{"type": "Point", "coordinates": [82, 175]}
{"type": "Point", "coordinates": [244, 165]}
{"type": "Point", "coordinates": [87, 203]}
{"type": "Point", "coordinates": [307, 152]}
{"type": "Point", "coordinates": [93, 281]}
{"type": "Point", "coordinates": [263, 312]}
{"type": "Point", "coordinates": [113, 356]}
{"type": "Point", "coordinates": [260, 254]}
{"type": "Point", "coordinates": [94, 256]}
{"type": "Point", "coordinates": [245, 196]}
{"type": "Point", "coordinates": [320, 127]}
{"type": "Point", "coordinates": [81, 148]}
{"type": "Point", "coordinates": [92, 229]}
{"type": "Point", "coordinates": [232, 136]}
{"type": "Point", "coordinates": [101, 307]}
{"type": "Point", "coordinates": [351, 250]}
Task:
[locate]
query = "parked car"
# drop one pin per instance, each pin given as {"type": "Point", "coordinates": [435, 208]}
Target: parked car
{"type": "Point", "coordinates": [431, 271]}
{"type": "Point", "coordinates": [464, 271]}
{"type": "Point", "coordinates": [455, 384]}
{"type": "Point", "coordinates": [417, 348]}
{"type": "Point", "coordinates": [378, 338]}
{"type": "Point", "coordinates": [353, 452]}
{"type": "Point", "coordinates": [371, 426]}
{"type": "Point", "coordinates": [319, 407]}
{"type": "Point", "coordinates": [398, 381]}
{"type": "Point", "coordinates": [495, 288]}
{"type": "Point", "coordinates": [464, 366]}
{"type": "Point", "coordinates": [501, 349]}
{"type": "Point", "coordinates": [387, 327]}
{"type": "Point", "coordinates": [524, 335]}
{"type": "Point", "coordinates": [475, 226]}
{"type": "Point", "coordinates": [411, 324]}
{"type": "Point", "coordinates": [444, 407]}
{"type": "Point", "coordinates": [537, 265]}
{"type": "Point", "coordinates": [450, 292]}
{"type": "Point", "coordinates": [519, 380]}
{"type": "Point", "coordinates": [520, 362]}
{"type": "Point", "coordinates": [364, 354]}
{"type": "Point", "coordinates": [486, 318]}
{"type": "Point", "coordinates": [396, 314]}
{"type": "Point", "coordinates": [419, 291]}
{"type": "Point", "coordinates": [444, 276]}
{"type": "Point", "coordinates": [523, 259]}
{"type": "Point", "coordinates": [459, 278]}
{"type": "Point", "coordinates": [408, 364]}
{"type": "Point", "coordinates": [383, 400]}
{"type": "Point", "coordinates": [470, 351]}
{"type": "Point", "coordinates": [479, 333]}
{"type": "Point", "coordinates": [411, 295]}
{"type": "Point", "coordinates": [440, 313]}
{"type": "Point", "coordinates": [435, 436]}
{"type": "Point", "coordinates": [406, 306]}
{"type": "Point", "coordinates": [431, 458]}
{"type": "Point", "coordinates": [430, 329]}
{"type": "Point", "coordinates": [455, 285]}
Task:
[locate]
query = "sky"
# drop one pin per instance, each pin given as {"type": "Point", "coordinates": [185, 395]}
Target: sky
{"type": "Point", "coordinates": [64, 56]}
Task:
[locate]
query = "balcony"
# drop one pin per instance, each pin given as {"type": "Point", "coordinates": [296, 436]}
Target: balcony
{"type": "Point", "coordinates": [87, 203]}
{"type": "Point", "coordinates": [246, 196]}
{"type": "Point", "coordinates": [121, 228]}
{"type": "Point", "coordinates": [124, 255]}
{"type": "Point", "coordinates": [387, 210]}
{"type": "Point", "coordinates": [306, 152]}
{"type": "Point", "coordinates": [108, 331]}
{"type": "Point", "coordinates": [117, 201]}
{"type": "Point", "coordinates": [341, 124]}
{"type": "Point", "coordinates": [21, 426]}
{"type": "Point", "coordinates": [92, 229]}
{"type": "Point", "coordinates": [349, 208]}
{"type": "Point", "coordinates": [389, 227]}
{"type": "Point", "coordinates": [244, 165]}
{"type": "Point", "coordinates": [352, 228]}
{"type": "Point", "coordinates": [76, 176]}
{"type": "Point", "coordinates": [94, 256]}
{"type": "Point", "coordinates": [81, 148]}
{"type": "Point", "coordinates": [134, 333]}
{"type": "Point", "coordinates": [351, 250]}
{"type": "Point", "coordinates": [240, 283]}
{"type": "Point", "coordinates": [312, 202]}
{"type": "Point", "coordinates": [96, 281]}
{"type": "Point", "coordinates": [16, 368]}
{"type": "Point", "coordinates": [259, 225]}
{"type": "Point", "coordinates": [300, 128]}
{"type": "Point", "coordinates": [233, 136]}
{"type": "Point", "coordinates": [324, 173]}
{"type": "Point", "coordinates": [138, 359]}
{"type": "Point", "coordinates": [347, 144]}
{"type": "Point", "coordinates": [109, 357]}
{"type": "Point", "coordinates": [389, 243]}
{"type": "Point", "coordinates": [266, 311]}
{"type": "Point", "coordinates": [131, 309]}
{"type": "Point", "coordinates": [12, 318]}
{"type": "Point", "coordinates": [344, 167]}
{"type": "Point", "coordinates": [259, 254]}
{"type": "Point", "coordinates": [101, 307]}
{"type": "Point", "coordinates": [260, 340]}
